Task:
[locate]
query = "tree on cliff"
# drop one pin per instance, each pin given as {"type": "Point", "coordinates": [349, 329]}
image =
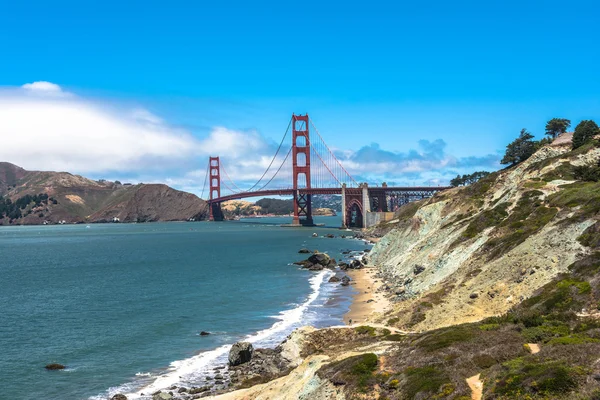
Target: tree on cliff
{"type": "Point", "coordinates": [557, 126]}
{"type": "Point", "coordinates": [584, 132]}
{"type": "Point", "coordinates": [520, 149]}
{"type": "Point", "coordinates": [468, 179]}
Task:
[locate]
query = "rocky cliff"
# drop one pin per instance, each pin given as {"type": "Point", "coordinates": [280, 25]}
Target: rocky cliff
{"type": "Point", "coordinates": [476, 251]}
{"type": "Point", "coordinates": [52, 197]}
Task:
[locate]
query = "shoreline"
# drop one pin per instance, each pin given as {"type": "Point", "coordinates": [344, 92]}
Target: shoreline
{"type": "Point", "coordinates": [369, 299]}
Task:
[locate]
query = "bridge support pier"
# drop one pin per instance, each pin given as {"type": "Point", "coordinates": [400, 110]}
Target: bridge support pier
{"type": "Point", "coordinates": [366, 201]}
{"type": "Point", "coordinates": [302, 209]}
{"type": "Point", "coordinates": [215, 212]}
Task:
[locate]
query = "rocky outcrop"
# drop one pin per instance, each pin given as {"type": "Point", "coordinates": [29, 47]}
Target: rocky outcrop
{"type": "Point", "coordinates": [240, 353]}
{"type": "Point", "coordinates": [119, 397]}
{"type": "Point", "coordinates": [317, 262]}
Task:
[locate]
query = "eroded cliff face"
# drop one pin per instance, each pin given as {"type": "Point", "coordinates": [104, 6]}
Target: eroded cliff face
{"type": "Point", "coordinates": [476, 251]}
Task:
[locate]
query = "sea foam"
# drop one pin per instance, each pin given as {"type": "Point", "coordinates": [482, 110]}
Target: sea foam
{"type": "Point", "coordinates": [191, 371]}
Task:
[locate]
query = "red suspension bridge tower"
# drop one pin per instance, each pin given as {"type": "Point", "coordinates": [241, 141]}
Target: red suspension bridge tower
{"type": "Point", "coordinates": [301, 170]}
{"type": "Point", "coordinates": [215, 212]}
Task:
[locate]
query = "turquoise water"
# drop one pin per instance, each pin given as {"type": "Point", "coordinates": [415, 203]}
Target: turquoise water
{"type": "Point", "coordinates": [122, 304]}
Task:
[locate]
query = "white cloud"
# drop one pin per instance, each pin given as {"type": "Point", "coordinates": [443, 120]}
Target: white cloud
{"type": "Point", "coordinates": [68, 133]}
{"type": "Point", "coordinates": [44, 88]}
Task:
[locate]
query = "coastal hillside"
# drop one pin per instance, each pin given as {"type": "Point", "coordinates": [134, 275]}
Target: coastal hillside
{"type": "Point", "coordinates": [37, 197]}
{"type": "Point", "coordinates": [494, 290]}
{"type": "Point", "coordinates": [479, 250]}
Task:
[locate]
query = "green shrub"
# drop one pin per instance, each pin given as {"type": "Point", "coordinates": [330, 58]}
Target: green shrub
{"type": "Point", "coordinates": [537, 377]}
{"type": "Point", "coordinates": [544, 333]}
{"type": "Point", "coordinates": [573, 339]}
{"type": "Point", "coordinates": [365, 330]}
{"type": "Point", "coordinates": [591, 236]}
{"type": "Point", "coordinates": [423, 381]}
{"type": "Point", "coordinates": [489, 327]}
{"type": "Point", "coordinates": [483, 361]}
{"type": "Point", "coordinates": [445, 337]}
{"type": "Point", "coordinates": [395, 337]}
{"type": "Point", "coordinates": [393, 321]}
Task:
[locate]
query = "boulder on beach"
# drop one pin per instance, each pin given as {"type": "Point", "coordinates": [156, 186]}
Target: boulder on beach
{"type": "Point", "coordinates": [119, 396]}
{"type": "Point", "coordinates": [240, 353]}
{"type": "Point", "coordinates": [334, 279]}
{"type": "Point", "coordinates": [356, 264]}
{"type": "Point", "coordinates": [54, 367]}
{"type": "Point", "coordinates": [343, 266]}
{"type": "Point", "coordinates": [162, 396]}
{"type": "Point", "coordinates": [196, 390]}
{"type": "Point", "coordinates": [345, 280]}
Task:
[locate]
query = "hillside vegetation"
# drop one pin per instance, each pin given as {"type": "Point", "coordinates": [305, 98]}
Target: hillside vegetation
{"type": "Point", "coordinates": [482, 249]}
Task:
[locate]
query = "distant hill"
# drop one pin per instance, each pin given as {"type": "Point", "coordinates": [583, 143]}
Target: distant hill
{"type": "Point", "coordinates": [35, 197]}
{"type": "Point", "coordinates": [321, 205]}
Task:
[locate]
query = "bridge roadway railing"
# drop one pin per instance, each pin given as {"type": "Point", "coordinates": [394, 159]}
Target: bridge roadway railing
{"type": "Point", "coordinates": [373, 191]}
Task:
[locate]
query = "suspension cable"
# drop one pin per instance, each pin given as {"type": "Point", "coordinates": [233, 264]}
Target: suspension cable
{"type": "Point", "coordinates": [273, 160]}
{"type": "Point", "coordinates": [205, 179]}
{"type": "Point", "coordinates": [330, 152]}
{"type": "Point", "coordinates": [230, 180]}
{"type": "Point", "coordinates": [278, 169]}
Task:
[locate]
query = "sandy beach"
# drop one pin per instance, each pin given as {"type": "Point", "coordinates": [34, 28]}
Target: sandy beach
{"type": "Point", "coordinates": [362, 308]}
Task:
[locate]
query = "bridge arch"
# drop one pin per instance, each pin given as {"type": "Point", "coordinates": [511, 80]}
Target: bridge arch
{"type": "Point", "coordinates": [354, 214]}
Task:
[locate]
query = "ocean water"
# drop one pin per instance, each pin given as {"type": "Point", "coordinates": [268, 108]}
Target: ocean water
{"type": "Point", "coordinates": [122, 305]}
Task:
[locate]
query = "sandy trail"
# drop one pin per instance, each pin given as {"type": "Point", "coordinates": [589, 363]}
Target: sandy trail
{"type": "Point", "coordinates": [534, 348]}
{"type": "Point", "coordinates": [476, 387]}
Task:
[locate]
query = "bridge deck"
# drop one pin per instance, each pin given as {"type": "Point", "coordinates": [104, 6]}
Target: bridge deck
{"type": "Point", "coordinates": [335, 190]}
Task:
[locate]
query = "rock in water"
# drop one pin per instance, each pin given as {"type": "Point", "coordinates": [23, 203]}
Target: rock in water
{"type": "Point", "coordinates": [334, 279]}
{"type": "Point", "coordinates": [54, 366]}
{"type": "Point", "coordinates": [119, 397]}
{"type": "Point", "coordinates": [204, 333]}
{"type": "Point", "coordinates": [345, 280]}
{"type": "Point", "coordinates": [304, 251]}
{"type": "Point", "coordinates": [240, 353]}
{"type": "Point", "coordinates": [320, 258]}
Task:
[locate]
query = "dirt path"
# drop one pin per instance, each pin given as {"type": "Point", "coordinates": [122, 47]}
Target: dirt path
{"type": "Point", "coordinates": [476, 387]}
{"type": "Point", "coordinates": [534, 348]}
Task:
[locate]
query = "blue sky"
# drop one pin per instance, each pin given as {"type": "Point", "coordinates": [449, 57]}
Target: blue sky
{"type": "Point", "coordinates": [381, 80]}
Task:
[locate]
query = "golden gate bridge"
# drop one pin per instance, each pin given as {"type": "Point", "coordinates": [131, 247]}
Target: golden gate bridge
{"type": "Point", "coordinates": [304, 166]}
